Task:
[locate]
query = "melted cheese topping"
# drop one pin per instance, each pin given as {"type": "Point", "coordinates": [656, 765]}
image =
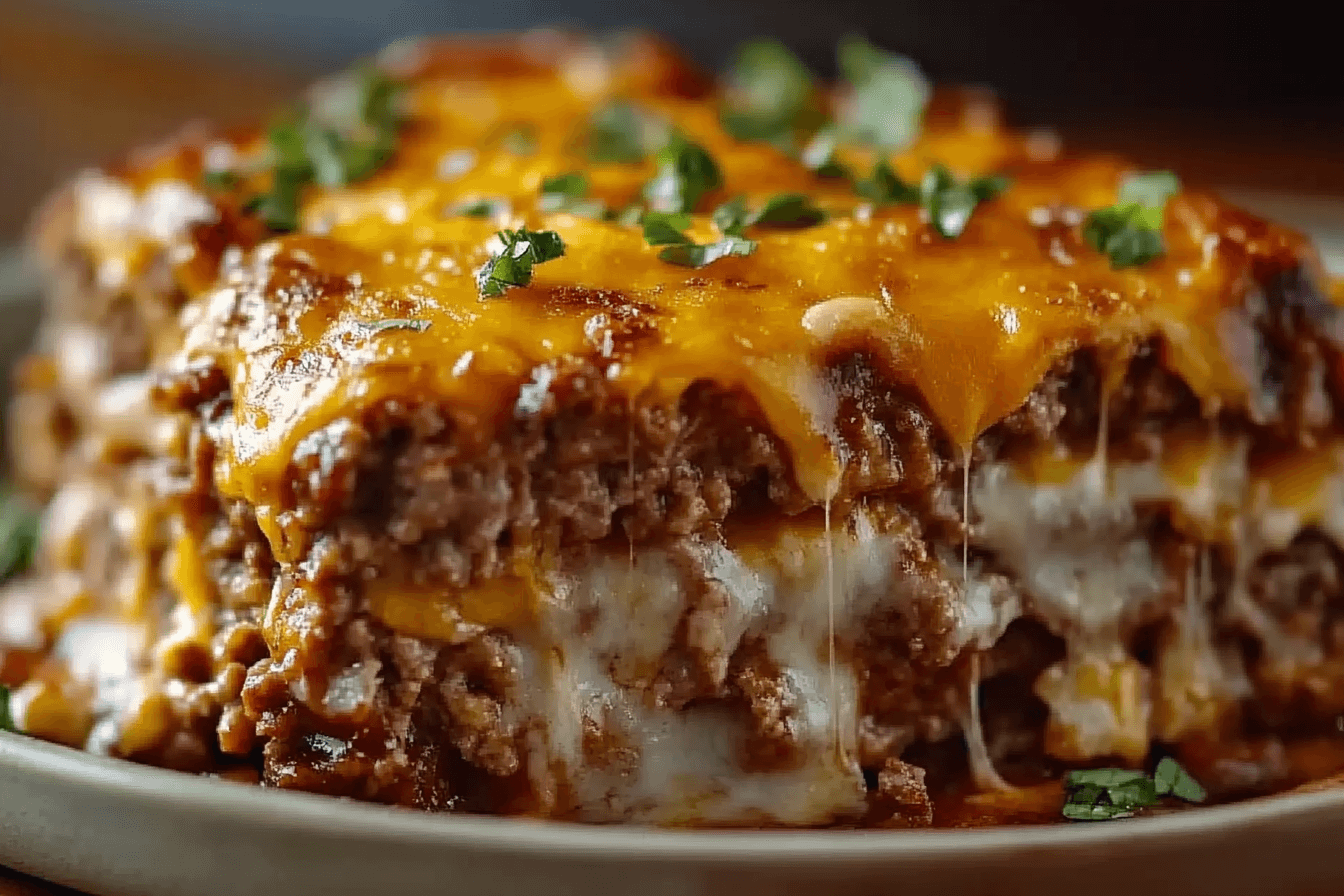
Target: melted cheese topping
{"type": "Point", "coordinates": [971, 324]}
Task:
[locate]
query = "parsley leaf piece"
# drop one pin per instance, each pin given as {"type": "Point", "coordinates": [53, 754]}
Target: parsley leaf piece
{"type": "Point", "coordinates": [782, 210]}
{"type": "Point", "coordinates": [481, 208]}
{"type": "Point", "coordinates": [1150, 190]}
{"type": "Point", "coordinates": [1130, 232]}
{"type": "Point", "coordinates": [1106, 793]}
{"type": "Point", "coordinates": [1118, 234]}
{"type": "Point", "coordinates": [619, 131]}
{"type": "Point", "coordinates": [989, 186]}
{"type": "Point", "coordinates": [886, 186]}
{"type": "Point", "coordinates": [562, 191]}
{"type": "Point", "coordinates": [1095, 803]}
{"type": "Point", "coordinates": [818, 155]}
{"type": "Point", "coordinates": [6, 716]}
{"type": "Point", "coordinates": [279, 207]}
{"type": "Point", "coordinates": [419, 325]}
{"type": "Point", "coordinates": [344, 136]}
{"type": "Point", "coordinates": [768, 92]}
{"type": "Point", "coordinates": [732, 217]}
{"type": "Point", "coordinates": [1173, 780]}
{"type": "Point", "coordinates": [519, 139]}
{"type": "Point", "coordinates": [950, 203]}
{"type": "Point", "coordinates": [630, 215]}
{"type": "Point", "coordinates": [565, 193]}
{"type": "Point", "coordinates": [888, 94]}
{"type": "Point", "coordinates": [1101, 777]}
{"type": "Point", "coordinates": [666, 229]}
{"type": "Point", "coordinates": [220, 180]}
{"type": "Point", "coordinates": [18, 534]}
{"type": "Point", "coordinates": [686, 172]}
{"type": "Point", "coordinates": [788, 210]}
{"type": "Point", "coordinates": [379, 97]}
{"type": "Point", "coordinates": [692, 255]}
{"type": "Point", "coordinates": [512, 265]}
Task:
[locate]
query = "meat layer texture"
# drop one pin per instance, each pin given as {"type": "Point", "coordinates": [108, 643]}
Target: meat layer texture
{"type": "Point", "coordinates": [807, 536]}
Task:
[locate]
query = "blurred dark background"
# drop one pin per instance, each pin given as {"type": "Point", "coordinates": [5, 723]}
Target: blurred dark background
{"type": "Point", "coordinates": [1230, 93]}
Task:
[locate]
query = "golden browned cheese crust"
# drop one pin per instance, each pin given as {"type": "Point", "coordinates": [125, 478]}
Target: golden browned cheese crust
{"type": "Point", "coordinates": [375, 560]}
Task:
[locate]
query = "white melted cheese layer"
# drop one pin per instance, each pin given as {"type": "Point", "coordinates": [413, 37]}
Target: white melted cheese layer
{"type": "Point", "coordinates": [1078, 549]}
{"type": "Point", "coordinates": [611, 624]}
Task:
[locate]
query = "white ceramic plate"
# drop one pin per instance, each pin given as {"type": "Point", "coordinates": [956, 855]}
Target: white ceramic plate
{"type": "Point", "coordinates": [118, 829]}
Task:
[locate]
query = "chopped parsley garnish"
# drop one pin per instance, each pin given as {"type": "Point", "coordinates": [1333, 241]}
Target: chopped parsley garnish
{"type": "Point", "coordinates": [344, 136]}
{"type": "Point", "coordinates": [519, 140]}
{"type": "Point", "coordinates": [950, 202]}
{"type": "Point", "coordinates": [220, 179]}
{"type": "Point", "coordinates": [818, 155]}
{"type": "Point", "coordinates": [620, 131]}
{"type": "Point", "coordinates": [769, 93]}
{"type": "Point", "coordinates": [1130, 232]}
{"type": "Point", "coordinates": [888, 93]}
{"type": "Point", "coordinates": [481, 208]}
{"type": "Point", "coordinates": [566, 192]}
{"type": "Point", "coordinates": [512, 265]}
{"type": "Point", "coordinates": [419, 325]}
{"type": "Point", "coordinates": [694, 255]}
{"type": "Point", "coordinates": [666, 228]}
{"type": "Point", "coordinates": [686, 172]}
{"type": "Point", "coordinates": [1105, 793]}
{"type": "Point", "coordinates": [788, 210]}
{"type": "Point", "coordinates": [782, 210]}
{"type": "Point", "coordinates": [731, 216]}
{"type": "Point", "coordinates": [18, 534]}
{"type": "Point", "coordinates": [630, 215]}
{"type": "Point", "coordinates": [6, 716]}
{"type": "Point", "coordinates": [886, 187]}
{"type": "Point", "coordinates": [1173, 780]}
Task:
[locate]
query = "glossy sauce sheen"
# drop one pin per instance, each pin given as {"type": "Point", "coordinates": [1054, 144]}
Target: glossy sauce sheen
{"type": "Point", "coordinates": [971, 324]}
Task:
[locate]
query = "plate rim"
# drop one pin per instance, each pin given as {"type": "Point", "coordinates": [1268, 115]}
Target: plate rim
{"type": "Point", "coordinates": [342, 818]}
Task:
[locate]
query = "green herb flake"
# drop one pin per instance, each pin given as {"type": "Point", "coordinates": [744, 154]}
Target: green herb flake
{"type": "Point", "coordinates": [279, 206]}
{"type": "Point", "coordinates": [1105, 793]}
{"type": "Point", "coordinates": [18, 534]}
{"type": "Point", "coordinates": [768, 93]}
{"type": "Point", "coordinates": [620, 131]}
{"type": "Point", "coordinates": [666, 229]}
{"type": "Point", "coordinates": [419, 325]}
{"type": "Point", "coordinates": [512, 266]}
{"type": "Point", "coordinates": [345, 136]}
{"type": "Point", "coordinates": [818, 155]}
{"type": "Point", "coordinates": [493, 207]}
{"type": "Point", "coordinates": [950, 203]}
{"type": "Point", "coordinates": [885, 186]}
{"type": "Point", "coordinates": [566, 192]}
{"type": "Point", "coordinates": [788, 210]}
{"type": "Point", "coordinates": [6, 715]}
{"type": "Point", "coordinates": [519, 140]}
{"type": "Point", "coordinates": [563, 188]}
{"type": "Point", "coordinates": [220, 180]}
{"type": "Point", "coordinates": [1173, 780]}
{"type": "Point", "coordinates": [1130, 232]}
{"type": "Point", "coordinates": [887, 97]}
{"type": "Point", "coordinates": [686, 172]}
{"type": "Point", "coordinates": [692, 255]}
{"type": "Point", "coordinates": [629, 216]}
{"type": "Point", "coordinates": [732, 217]}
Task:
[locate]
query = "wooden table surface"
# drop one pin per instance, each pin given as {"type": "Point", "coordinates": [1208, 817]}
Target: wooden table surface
{"type": "Point", "coordinates": [71, 97]}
